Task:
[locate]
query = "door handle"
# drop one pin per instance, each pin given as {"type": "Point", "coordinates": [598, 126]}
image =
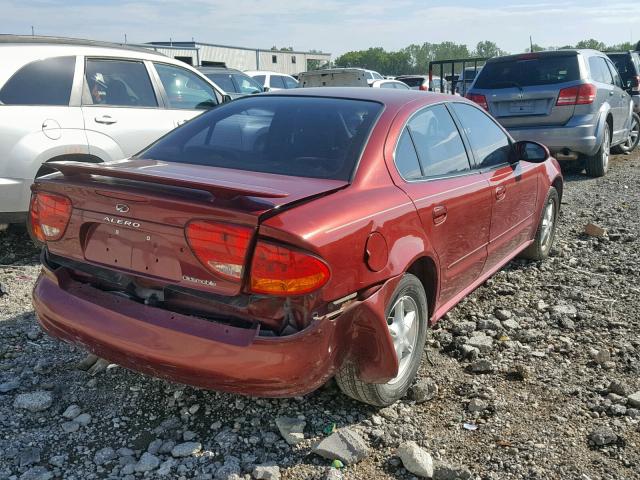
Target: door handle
{"type": "Point", "coordinates": [106, 119]}
{"type": "Point", "coordinates": [501, 192]}
{"type": "Point", "coordinates": [439, 214]}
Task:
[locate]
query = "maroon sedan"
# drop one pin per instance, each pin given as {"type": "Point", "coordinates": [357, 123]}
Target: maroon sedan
{"type": "Point", "coordinates": [283, 239]}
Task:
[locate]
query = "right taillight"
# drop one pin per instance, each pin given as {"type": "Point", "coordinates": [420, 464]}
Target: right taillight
{"type": "Point", "coordinates": [579, 95]}
{"type": "Point", "coordinates": [278, 270]}
{"type": "Point", "coordinates": [220, 247]}
{"type": "Point", "coordinates": [479, 99]}
{"type": "Point", "coordinates": [49, 216]}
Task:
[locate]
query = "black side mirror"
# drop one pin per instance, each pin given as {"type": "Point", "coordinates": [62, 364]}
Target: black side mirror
{"type": "Point", "coordinates": [226, 98]}
{"type": "Point", "coordinates": [533, 152]}
{"type": "Point", "coordinates": [266, 89]}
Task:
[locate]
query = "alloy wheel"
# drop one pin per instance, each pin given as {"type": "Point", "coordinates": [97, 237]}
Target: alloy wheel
{"type": "Point", "coordinates": [548, 219]}
{"type": "Point", "coordinates": [403, 328]}
{"type": "Point", "coordinates": [605, 150]}
{"type": "Point", "coordinates": [634, 133]}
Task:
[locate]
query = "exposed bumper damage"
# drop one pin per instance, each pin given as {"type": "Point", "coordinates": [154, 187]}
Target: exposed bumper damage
{"type": "Point", "coordinates": [208, 354]}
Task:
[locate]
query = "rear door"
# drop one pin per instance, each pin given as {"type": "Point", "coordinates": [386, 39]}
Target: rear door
{"type": "Point", "coordinates": [120, 105]}
{"type": "Point", "coordinates": [513, 187]}
{"type": "Point", "coordinates": [522, 91]}
{"type": "Point", "coordinates": [453, 201]}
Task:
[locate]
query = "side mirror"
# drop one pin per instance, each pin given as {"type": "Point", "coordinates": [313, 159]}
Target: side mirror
{"type": "Point", "coordinates": [266, 89]}
{"type": "Point", "coordinates": [226, 98]}
{"type": "Point", "coordinates": [533, 152]}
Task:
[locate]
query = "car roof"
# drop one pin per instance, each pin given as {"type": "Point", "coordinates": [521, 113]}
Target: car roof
{"type": "Point", "coordinates": [545, 53]}
{"type": "Point", "coordinates": [40, 40]}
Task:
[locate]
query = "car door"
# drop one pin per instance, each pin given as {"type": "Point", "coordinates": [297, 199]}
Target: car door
{"type": "Point", "coordinates": [185, 93]}
{"type": "Point", "coordinates": [120, 107]}
{"type": "Point", "coordinates": [513, 186]}
{"type": "Point", "coordinates": [624, 101]}
{"type": "Point", "coordinates": [276, 82]}
{"type": "Point", "coordinates": [452, 200]}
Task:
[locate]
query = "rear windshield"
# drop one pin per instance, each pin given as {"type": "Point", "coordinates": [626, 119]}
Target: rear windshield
{"type": "Point", "coordinates": [412, 82]}
{"type": "Point", "coordinates": [625, 66]}
{"type": "Point", "coordinates": [528, 72]}
{"type": "Point", "coordinates": [299, 136]}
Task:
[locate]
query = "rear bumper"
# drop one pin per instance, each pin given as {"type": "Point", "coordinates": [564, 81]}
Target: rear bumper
{"type": "Point", "coordinates": [205, 354]}
{"type": "Point", "coordinates": [577, 138]}
{"type": "Point", "coordinates": [14, 199]}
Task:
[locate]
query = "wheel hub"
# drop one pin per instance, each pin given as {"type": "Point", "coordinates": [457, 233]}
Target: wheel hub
{"type": "Point", "coordinates": [403, 328]}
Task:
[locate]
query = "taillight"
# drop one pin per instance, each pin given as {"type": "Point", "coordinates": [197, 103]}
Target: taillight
{"type": "Point", "coordinates": [423, 87]}
{"type": "Point", "coordinates": [49, 215]}
{"type": "Point", "coordinates": [221, 247]}
{"type": "Point", "coordinates": [579, 95]}
{"type": "Point", "coordinates": [278, 270]}
{"type": "Point", "coordinates": [479, 99]}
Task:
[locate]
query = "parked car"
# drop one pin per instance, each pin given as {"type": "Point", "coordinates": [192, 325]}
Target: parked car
{"type": "Point", "coordinates": [63, 99]}
{"type": "Point", "coordinates": [279, 240]}
{"type": "Point", "coordinates": [273, 80]}
{"type": "Point", "coordinates": [628, 66]}
{"type": "Point", "coordinates": [233, 82]}
{"type": "Point", "coordinates": [398, 85]}
{"type": "Point", "coordinates": [466, 78]}
{"type": "Point", "coordinates": [570, 100]}
{"type": "Point", "coordinates": [421, 82]}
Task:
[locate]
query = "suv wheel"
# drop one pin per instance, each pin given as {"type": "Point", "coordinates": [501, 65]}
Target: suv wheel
{"type": "Point", "coordinates": [407, 318]}
{"type": "Point", "coordinates": [634, 136]}
{"type": "Point", "coordinates": [598, 164]}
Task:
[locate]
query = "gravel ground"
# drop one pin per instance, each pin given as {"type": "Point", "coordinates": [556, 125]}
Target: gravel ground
{"type": "Point", "coordinates": [535, 375]}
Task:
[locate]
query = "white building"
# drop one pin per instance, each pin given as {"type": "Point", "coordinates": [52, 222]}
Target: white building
{"type": "Point", "coordinates": [241, 58]}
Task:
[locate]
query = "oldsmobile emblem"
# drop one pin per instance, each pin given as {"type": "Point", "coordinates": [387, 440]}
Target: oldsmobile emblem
{"type": "Point", "coordinates": [122, 208]}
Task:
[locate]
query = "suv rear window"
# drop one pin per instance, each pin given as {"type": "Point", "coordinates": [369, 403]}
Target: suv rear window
{"type": "Point", "coordinates": [526, 71]}
{"type": "Point", "coordinates": [412, 82]}
{"type": "Point", "coordinates": [625, 65]}
{"type": "Point", "coordinates": [299, 136]}
{"type": "Point", "coordinates": [43, 82]}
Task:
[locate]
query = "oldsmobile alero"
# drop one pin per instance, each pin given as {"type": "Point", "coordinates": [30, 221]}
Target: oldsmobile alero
{"type": "Point", "coordinates": [283, 239]}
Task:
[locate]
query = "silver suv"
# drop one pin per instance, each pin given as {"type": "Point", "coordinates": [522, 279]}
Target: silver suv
{"type": "Point", "coordinates": [64, 99]}
{"type": "Point", "coordinates": [572, 101]}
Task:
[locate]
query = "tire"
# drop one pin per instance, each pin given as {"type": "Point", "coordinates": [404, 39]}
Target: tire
{"type": "Point", "coordinates": [543, 241]}
{"type": "Point", "coordinates": [410, 293]}
{"type": "Point", "coordinates": [633, 139]}
{"type": "Point", "coordinates": [598, 164]}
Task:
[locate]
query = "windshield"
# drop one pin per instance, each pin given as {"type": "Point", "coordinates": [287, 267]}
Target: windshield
{"type": "Point", "coordinates": [299, 136]}
{"type": "Point", "coordinates": [528, 71]}
{"type": "Point", "coordinates": [413, 81]}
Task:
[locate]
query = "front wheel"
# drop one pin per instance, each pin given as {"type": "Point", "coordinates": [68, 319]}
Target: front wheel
{"type": "Point", "coordinates": [407, 319]}
{"type": "Point", "coordinates": [633, 138]}
{"type": "Point", "coordinates": [598, 164]}
{"type": "Point", "coordinates": [541, 246]}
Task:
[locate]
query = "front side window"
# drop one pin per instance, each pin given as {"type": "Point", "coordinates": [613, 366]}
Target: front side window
{"type": "Point", "coordinates": [290, 82]}
{"type": "Point", "coordinates": [489, 143]}
{"type": "Point", "coordinates": [260, 79]}
{"type": "Point", "coordinates": [286, 135]}
{"type": "Point", "coordinates": [121, 83]}
{"type": "Point", "coordinates": [223, 80]}
{"type": "Point", "coordinates": [185, 90]}
{"type": "Point", "coordinates": [406, 158]}
{"type": "Point", "coordinates": [43, 82]}
{"type": "Point", "coordinates": [276, 81]}
{"type": "Point", "coordinates": [438, 142]}
{"type": "Point", "coordinates": [387, 85]}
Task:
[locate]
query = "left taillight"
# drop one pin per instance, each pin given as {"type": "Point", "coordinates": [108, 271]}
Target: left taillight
{"type": "Point", "coordinates": [278, 270]}
{"type": "Point", "coordinates": [49, 215]}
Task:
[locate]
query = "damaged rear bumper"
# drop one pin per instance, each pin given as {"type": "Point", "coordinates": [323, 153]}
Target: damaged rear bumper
{"type": "Point", "coordinates": [212, 355]}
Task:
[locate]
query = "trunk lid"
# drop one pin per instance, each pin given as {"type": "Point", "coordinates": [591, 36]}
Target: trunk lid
{"type": "Point", "coordinates": [130, 215]}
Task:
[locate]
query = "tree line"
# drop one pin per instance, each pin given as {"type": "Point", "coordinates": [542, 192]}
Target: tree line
{"type": "Point", "coordinates": [415, 58]}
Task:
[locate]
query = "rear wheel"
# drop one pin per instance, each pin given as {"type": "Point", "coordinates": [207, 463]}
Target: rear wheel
{"type": "Point", "coordinates": [598, 164]}
{"type": "Point", "coordinates": [541, 246]}
{"type": "Point", "coordinates": [407, 317]}
{"type": "Point", "coordinates": [633, 138]}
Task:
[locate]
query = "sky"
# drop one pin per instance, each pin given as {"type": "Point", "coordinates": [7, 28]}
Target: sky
{"type": "Point", "coordinates": [334, 26]}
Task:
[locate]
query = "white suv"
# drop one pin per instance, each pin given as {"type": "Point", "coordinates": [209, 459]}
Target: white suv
{"type": "Point", "coordinates": [273, 80]}
{"type": "Point", "coordinates": [66, 99]}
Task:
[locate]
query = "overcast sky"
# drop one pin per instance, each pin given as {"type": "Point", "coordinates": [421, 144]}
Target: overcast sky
{"type": "Point", "coordinates": [334, 26]}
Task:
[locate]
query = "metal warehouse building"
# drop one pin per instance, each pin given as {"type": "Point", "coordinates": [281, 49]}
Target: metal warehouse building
{"type": "Point", "coordinates": [209, 54]}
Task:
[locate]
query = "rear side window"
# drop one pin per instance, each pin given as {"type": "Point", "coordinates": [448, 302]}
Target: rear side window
{"type": "Point", "coordinates": [121, 83]}
{"type": "Point", "coordinates": [599, 70]}
{"type": "Point", "coordinates": [298, 136]}
{"type": "Point", "coordinates": [276, 82]}
{"type": "Point", "coordinates": [489, 143]}
{"type": "Point", "coordinates": [387, 85]}
{"type": "Point", "coordinates": [406, 158]}
{"type": "Point", "coordinates": [527, 71]}
{"type": "Point", "coordinates": [438, 142]}
{"type": "Point", "coordinates": [43, 82]}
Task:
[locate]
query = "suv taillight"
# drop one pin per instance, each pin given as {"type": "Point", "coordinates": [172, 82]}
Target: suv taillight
{"type": "Point", "coordinates": [479, 99]}
{"type": "Point", "coordinates": [220, 247]}
{"type": "Point", "coordinates": [579, 95]}
{"type": "Point", "coordinates": [278, 270]}
{"type": "Point", "coordinates": [49, 216]}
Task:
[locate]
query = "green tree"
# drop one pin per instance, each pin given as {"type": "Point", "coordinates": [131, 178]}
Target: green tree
{"type": "Point", "coordinates": [621, 47]}
{"type": "Point", "coordinates": [591, 43]}
{"type": "Point", "coordinates": [487, 49]}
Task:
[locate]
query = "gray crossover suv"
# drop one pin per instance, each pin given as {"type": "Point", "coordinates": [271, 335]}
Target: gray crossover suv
{"type": "Point", "coordinates": [573, 101]}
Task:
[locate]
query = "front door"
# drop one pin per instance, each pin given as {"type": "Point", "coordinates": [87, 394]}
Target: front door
{"type": "Point", "coordinates": [121, 108]}
{"type": "Point", "coordinates": [452, 199]}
